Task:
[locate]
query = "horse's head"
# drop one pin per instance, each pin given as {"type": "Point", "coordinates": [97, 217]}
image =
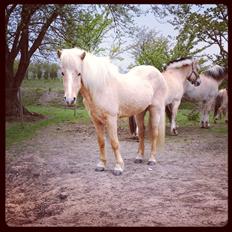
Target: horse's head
{"type": "Point", "coordinates": [71, 69]}
{"type": "Point", "coordinates": [194, 77]}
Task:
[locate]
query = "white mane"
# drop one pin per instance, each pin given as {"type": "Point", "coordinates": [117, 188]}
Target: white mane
{"type": "Point", "coordinates": [179, 63]}
{"type": "Point", "coordinates": [97, 72]}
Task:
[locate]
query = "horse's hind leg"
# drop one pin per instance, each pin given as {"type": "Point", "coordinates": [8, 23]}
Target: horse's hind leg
{"type": "Point", "coordinates": [155, 116]}
{"type": "Point", "coordinates": [175, 107]}
{"type": "Point", "coordinates": [100, 130]}
{"type": "Point", "coordinates": [112, 131]}
{"type": "Point", "coordinates": [141, 127]}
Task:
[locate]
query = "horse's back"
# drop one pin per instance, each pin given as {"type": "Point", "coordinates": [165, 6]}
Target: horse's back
{"type": "Point", "coordinates": [145, 71]}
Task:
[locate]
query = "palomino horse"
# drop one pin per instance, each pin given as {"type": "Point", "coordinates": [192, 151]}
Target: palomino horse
{"type": "Point", "coordinates": [206, 93]}
{"type": "Point", "coordinates": [109, 94]}
{"type": "Point", "coordinates": [177, 73]}
{"type": "Point", "coordinates": [221, 105]}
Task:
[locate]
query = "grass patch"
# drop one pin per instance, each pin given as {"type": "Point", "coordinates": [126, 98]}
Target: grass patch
{"type": "Point", "coordinates": [15, 133]}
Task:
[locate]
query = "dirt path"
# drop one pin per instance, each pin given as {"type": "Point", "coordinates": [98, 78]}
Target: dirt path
{"type": "Point", "coordinates": [50, 181]}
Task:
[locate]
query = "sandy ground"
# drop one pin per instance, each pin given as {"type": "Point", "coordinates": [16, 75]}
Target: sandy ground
{"type": "Point", "coordinates": [50, 181]}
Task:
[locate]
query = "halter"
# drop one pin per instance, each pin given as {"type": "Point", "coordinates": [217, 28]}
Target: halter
{"type": "Point", "coordinates": [189, 76]}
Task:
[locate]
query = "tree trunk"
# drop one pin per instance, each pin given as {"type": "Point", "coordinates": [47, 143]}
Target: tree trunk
{"type": "Point", "coordinates": [13, 104]}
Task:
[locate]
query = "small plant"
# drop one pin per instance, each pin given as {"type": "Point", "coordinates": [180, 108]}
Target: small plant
{"type": "Point", "coordinates": [193, 115]}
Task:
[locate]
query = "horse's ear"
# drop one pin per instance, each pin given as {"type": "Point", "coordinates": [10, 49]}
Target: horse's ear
{"type": "Point", "coordinates": [59, 52]}
{"type": "Point", "coordinates": [83, 55]}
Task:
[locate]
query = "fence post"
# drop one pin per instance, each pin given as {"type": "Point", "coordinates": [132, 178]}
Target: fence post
{"type": "Point", "coordinates": [21, 106]}
{"type": "Point", "coordinates": [75, 111]}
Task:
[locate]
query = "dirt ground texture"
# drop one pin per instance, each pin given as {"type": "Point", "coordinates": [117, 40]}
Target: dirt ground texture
{"type": "Point", "coordinates": [51, 181]}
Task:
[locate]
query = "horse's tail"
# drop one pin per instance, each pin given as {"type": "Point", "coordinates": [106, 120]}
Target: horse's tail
{"type": "Point", "coordinates": [132, 125]}
{"type": "Point", "coordinates": [168, 110]}
{"type": "Point", "coordinates": [218, 102]}
{"type": "Point", "coordinates": [161, 130]}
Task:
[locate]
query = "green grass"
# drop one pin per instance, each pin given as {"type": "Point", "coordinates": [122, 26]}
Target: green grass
{"type": "Point", "coordinates": [56, 84]}
{"type": "Point", "coordinates": [15, 133]}
{"type": "Point", "coordinates": [184, 120]}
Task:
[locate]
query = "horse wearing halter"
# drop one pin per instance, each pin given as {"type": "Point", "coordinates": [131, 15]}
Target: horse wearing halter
{"type": "Point", "coordinates": [189, 76]}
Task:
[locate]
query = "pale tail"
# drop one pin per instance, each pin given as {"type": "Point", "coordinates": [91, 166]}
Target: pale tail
{"type": "Point", "coordinates": [161, 133]}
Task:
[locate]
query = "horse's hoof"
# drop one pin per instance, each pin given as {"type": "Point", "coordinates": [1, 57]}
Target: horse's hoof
{"type": "Point", "coordinates": [99, 169]}
{"type": "Point", "coordinates": [138, 161]}
{"type": "Point", "coordinates": [151, 162]}
{"type": "Point", "coordinates": [202, 125]}
{"type": "Point", "coordinates": [174, 131]}
{"type": "Point", "coordinates": [117, 172]}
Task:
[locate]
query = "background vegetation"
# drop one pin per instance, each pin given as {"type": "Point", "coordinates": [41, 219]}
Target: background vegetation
{"type": "Point", "coordinates": [34, 32]}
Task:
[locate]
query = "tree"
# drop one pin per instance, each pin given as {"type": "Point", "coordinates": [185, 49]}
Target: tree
{"type": "Point", "coordinates": [151, 49]}
{"type": "Point", "coordinates": [208, 23]}
{"type": "Point", "coordinates": [87, 32]}
{"type": "Point", "coordinates": [46, 73]}
{"type": "Point", "coordinates": [53, 71]}
{"type": "Point", "coordinates": [26, 26]}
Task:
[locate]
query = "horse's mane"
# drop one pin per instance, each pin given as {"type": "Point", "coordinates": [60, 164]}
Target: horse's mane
{"type": "Point", "coordinates": [178, 63]}
{"type": "Point", "coordinates": [216, 72]}
{"type": "Point", "coordinates": [96, 71]}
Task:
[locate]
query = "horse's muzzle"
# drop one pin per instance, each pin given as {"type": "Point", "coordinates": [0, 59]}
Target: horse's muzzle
{"type": "Point", "coordinates": [70, 101]}
{"type": "Point", "coordinates": [197, 83]}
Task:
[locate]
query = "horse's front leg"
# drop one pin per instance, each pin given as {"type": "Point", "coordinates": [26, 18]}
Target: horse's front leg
{"type": "Point", "coordinates": [100, 130]}
{"type": "Point", "coordinates": [226, 115]}
{"type": "Point", "coordinates": [175, 107]}
{"type": "Point", "coordinates": [202, 114]}
{"type": "Point", "coordinates": [141, 128]}
{"type": "Point", "coordinates": [112, 131]}
{"type": "Point", "coordinates": [208, 107]}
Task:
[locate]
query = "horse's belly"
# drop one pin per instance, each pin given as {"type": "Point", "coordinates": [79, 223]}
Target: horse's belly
{"type": "Point", "coordinates": [134, 105]}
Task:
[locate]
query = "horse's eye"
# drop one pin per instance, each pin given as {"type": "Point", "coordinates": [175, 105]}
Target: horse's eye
{"type": "Point", "coordinates": [78, 74]}
{"type": "Point", "coordinates": [62, 74]}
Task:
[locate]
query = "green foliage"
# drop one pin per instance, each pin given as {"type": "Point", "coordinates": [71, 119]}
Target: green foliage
{"type": "Point", "coordinates": [151, 49]}
{"type": "Point", "coordinates": [87, 32]}
{"type": "Point", "coordinates": [206, 24]}
{"type": "Point", "coordinates": [15, 133]}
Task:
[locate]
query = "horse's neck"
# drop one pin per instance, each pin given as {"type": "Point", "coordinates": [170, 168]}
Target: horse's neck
{"type": "Point", "coordinates": [87, 97]}
{"type": "Point", "coordinates": [179, 75]}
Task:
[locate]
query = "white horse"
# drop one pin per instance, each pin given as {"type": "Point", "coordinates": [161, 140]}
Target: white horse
{"type": "Point", "coordinates": [177, 74]}
{"type": "Point", "coordinates": [221, 105]}
{"type": "Point", "coordinates": [206, 93]}
{"type": "Point", "coordinates": [108, 95]}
